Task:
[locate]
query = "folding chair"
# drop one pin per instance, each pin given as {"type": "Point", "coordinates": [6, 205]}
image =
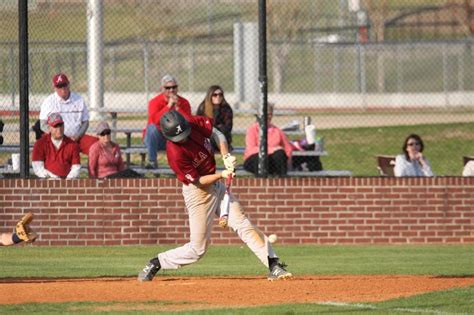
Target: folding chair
{"type": "Point", "coordinates": [467, 159]}
{"type": "Point", "coordinates": [386, 163]}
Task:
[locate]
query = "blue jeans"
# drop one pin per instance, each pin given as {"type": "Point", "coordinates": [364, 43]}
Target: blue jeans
{"type": "Point", "coordinates": [154, 142]}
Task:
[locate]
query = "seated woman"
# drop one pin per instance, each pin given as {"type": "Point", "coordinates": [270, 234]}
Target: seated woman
{"type": "Point", "coordinates": [105, 158]}
{"type": "Point", "coordinates": [216, 107]}
{"type": "Point", "coordinates": [412, 162]}
{"type": "Point", "coordinates": [279, 149]}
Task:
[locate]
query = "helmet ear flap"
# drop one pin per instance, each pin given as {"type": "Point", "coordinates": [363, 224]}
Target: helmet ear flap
{"type": "Point", "coordinates": [174, 126]}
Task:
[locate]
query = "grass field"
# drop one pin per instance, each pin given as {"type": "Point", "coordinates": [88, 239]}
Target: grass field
{"type": "Point", "coordinates": [440, 261]}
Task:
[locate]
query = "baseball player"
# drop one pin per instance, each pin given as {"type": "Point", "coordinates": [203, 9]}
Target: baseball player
{"type": "Point", "coordinates": [191, 157]}
{"type": "Point", "coordinates": [23, 232]}
{"type": "Point", "coordinates": [72, 108]}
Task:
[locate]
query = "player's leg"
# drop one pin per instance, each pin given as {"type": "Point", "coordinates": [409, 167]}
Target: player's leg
{"type": "Point", "coordinates": [201, 205]}
{"type": "Point", "coordinates": [256, 240]}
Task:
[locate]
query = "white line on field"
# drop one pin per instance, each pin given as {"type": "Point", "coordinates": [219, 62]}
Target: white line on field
{"type": "Point", "coordinates": [372, 307]}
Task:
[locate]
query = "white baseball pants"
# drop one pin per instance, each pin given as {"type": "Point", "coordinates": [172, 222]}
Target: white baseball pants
{"type": "Point", "coordinates": [203, 204]}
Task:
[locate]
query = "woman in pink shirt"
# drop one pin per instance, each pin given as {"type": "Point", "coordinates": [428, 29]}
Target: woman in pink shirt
{"type": "Point", "coordinates": [105, 158]}
{"type": "Point", "coordinates": [279, 148]}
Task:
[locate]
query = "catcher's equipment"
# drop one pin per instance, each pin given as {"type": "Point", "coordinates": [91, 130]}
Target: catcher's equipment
{"type": "Point", "coordinates": [23, 230]}
{"type": "Point", "coordinates": [174, 126]}
{"type": "Point", "coordinates": [229, 162]}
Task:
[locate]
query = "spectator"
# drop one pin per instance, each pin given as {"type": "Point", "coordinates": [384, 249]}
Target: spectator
{"type": "Point", "coordinates": [278, 146]}
{"type": "Point", "coordinates": [72, 108]}
{"type": "Point", "coordinates": [55, 155]}
{"type": "Point", "coordinates": [168, 99]}
{"type": "Point", "coordinates": [412, 162]}
{"type": "Point", "coordinates": [105, 158]}
{"type": "Point", "coordinates": [216, 107]}
{"type": "Point", "coordinates": [468, 169]}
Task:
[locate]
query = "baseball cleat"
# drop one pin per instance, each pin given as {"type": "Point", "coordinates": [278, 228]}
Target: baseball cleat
{"type": "Point", "coordinates": [150, 270]}
{"type": "Point", "coordinates": [279, 272]}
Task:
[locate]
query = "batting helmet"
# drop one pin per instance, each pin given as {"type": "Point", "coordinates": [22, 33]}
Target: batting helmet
{"type": "Point", "coordinates": [174, 126]}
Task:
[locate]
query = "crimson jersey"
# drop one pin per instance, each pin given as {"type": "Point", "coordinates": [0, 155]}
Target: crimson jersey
{"type": "Point", "coordinates": [194, 157]}
{"type": "Point", "coordinates": [57, 161]}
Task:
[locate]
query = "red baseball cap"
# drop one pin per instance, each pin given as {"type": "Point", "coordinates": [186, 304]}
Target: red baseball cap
{"type": "Point", "coordinates": [54, 119]}
{"type": "Point", "coordinates": [60, 79]}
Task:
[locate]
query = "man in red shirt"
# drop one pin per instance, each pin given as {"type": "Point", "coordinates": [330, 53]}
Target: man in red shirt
{"type": "Point", "coordinates": [55, 155]}
{"type": "Point", "coordinates": [168, 99]}
{"type": "Point", "coordinates": [191, 157]}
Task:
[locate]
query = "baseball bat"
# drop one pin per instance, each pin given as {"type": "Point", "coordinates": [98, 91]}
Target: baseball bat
{"type": "Point", "coordinates": [225, 205]}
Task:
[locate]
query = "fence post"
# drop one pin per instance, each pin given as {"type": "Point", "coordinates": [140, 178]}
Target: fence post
{"type": "Point", "coordinates": [445, 75]}
{"type": "Point", "coordinates": [246, 62]}
{"type": "Point", "coordinates": [12, 74]}
{"type": "Point", "coordinates": [361, 68]}
{"type": "Point", "coordinates": [191, 67]}
{"type": "Point", "coordinates": [145, 69]}
{"type": "Point", "coordinates": [399, 71]}
{"type": "Point", "coordinates": [460, 71]}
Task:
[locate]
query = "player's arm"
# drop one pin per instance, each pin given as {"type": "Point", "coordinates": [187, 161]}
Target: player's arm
{"type": "Point", "coordinates": [208, 179]}
{"type": "Point", "coordinates": [229, 160]}
{"type": "Point", "coordinates": [219, 138]}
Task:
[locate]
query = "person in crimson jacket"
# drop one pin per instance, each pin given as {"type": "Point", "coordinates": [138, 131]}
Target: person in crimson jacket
{"type": "Point", "coordinates": [55, 155]}
{"type": "Point", "coordinates": [167, 100]}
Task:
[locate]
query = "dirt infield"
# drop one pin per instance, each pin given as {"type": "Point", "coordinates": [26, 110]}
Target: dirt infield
{"type": "Point", "coordinates": [211, 292]}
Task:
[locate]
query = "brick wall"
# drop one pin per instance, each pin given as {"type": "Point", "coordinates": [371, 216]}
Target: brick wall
{"type": "Point", "coordinates": [300, 210]}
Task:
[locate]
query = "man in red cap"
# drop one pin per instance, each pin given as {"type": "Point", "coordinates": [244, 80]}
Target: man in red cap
{"type": "Point", "coordinates": [72, 108]}
{"type": "Point", "coordinates": [55, 155]}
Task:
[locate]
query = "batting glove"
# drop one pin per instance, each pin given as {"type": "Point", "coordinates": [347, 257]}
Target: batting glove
{"type": "Point", "coordinates": [229, 162]}
{"type": "Point", "coordinates": [227, 173]}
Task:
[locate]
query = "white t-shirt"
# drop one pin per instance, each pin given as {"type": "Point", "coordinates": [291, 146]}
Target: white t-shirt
{"type": "Point", "coordinates": [73, 110]}
{"type": "Point", "coordinates": [411, 168]}
{"type": "Point", "coordinates": [468, 169]}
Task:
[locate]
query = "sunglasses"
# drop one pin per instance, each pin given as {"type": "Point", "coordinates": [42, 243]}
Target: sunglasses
{"type": "Point", "coordinates": [58, 125]}
{"type": "Point", "coordinates": [217, 94]}
{"type": "Point", "coordinates": [105, 133]}
{"type": "Point", "coordinates": [61, 86]}
{"type": "Point", "coordinates": [173, 87]}
{"type": "Point", "coordinates": [413, 143]}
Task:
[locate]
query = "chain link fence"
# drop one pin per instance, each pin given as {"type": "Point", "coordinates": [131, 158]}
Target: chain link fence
{"type": "Point", "coordinates": [366, 84]}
